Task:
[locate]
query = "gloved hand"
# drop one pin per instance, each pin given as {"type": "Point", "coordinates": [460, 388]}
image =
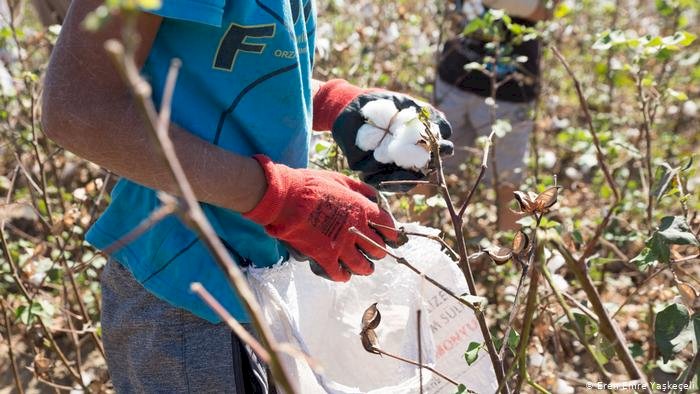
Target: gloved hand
{"type": "Point", "coordinates": [312, 210]}
{"type": "Point", "coordinates": [337, 106]}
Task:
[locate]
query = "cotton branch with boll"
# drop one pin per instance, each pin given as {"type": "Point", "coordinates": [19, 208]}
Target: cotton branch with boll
{"type": "Point", "coordinates": [395, 136]}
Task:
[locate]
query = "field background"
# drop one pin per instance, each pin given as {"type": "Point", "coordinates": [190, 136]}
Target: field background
{"type": "Point", "coordinates": [49, 316]}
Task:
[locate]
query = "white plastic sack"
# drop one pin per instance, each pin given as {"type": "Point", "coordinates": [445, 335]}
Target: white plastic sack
{"type": "Point", "coordinates": [323, 319]}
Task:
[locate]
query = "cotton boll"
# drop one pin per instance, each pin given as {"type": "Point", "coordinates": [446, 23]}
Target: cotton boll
{"type": "Point", "coordinates": [369, 137]}
{"type": "Point", "coordinates": [410, 132]}
{"type": "Point", "coordinates": [559, 282]}
{"type": "Point", "coordinates": [690, 109]}
{"type": "Point", "coordinates": [408, 155]}
{"type": "Point", "coordinates": [563, 387]}
{"type": "Point", "coordinates": [403, 117]}
{"type": "Point", "coordinates": [381, 153]}
{"type": "Point", "coordinates": [379, 112]}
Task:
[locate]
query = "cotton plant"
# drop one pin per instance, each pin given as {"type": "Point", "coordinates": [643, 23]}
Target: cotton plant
{"type": "Point", "coordinates": [395, 136]}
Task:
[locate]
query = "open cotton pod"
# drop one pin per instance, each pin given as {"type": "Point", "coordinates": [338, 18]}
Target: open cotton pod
{"type": "Point", "coordinates": [396, 136]}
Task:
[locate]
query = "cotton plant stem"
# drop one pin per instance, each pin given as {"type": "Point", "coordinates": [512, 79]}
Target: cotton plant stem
{"type": "Point", "coordinates": [692, 371]}
{"type": "Point", "coordinates": [590, 244]}
{"type": "Point", "coordinates": [195, 216]}
{"type": "Point", "coordinates": [435, 238]}
{"type": "Point", "coordinates": [596, 141]}
{"type": "Point", "coordinates": [572, 320]}
{"type": "Point", "coordinates": [230, 321]}
{"type": "Point", "coordinates": [458, 225]}
{"type": "Point", "coordinates": [535, 385]}
{"type": "Point", "coordinates": [428, 367]}
{"type": "Point", "coordinates": [419, 340]}
{"type": "Point", "coordinates": [608, 327]}
{"type": "Point", "coordinates": [513, 314]}
{"type": "Point", "coordinates": [404, 262]}
{"type": "Point", "coordinates": [646, 132]}
{"type": "Point", "coordinates": [530, 307]}
{"type": "Point", "coordinates": [10, 351]}
{"type": "Point", "coordinates": [14, 271]}
{"type": "Point", "coordinates": [83, 310]}
{"type": "Point", "coordinates": [153, 218]}
{"type": "Point", "coordinates": [30, 301]}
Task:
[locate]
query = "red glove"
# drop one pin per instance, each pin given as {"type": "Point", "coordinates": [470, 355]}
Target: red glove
{"type": "Point", "coordinates": [331, 99]}
{"type": "Point", "coordinates": [312, 211]}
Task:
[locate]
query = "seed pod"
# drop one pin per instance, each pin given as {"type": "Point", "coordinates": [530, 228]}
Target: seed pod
{"type": "Point", "coordinates": [371, 318]}
{"type": "Point", "coordinates": [524, 202]}
{"type": "Point", "coordinates": [500, 255]}
{"type": "Point", "coordinates": [520, 242]}
{"type": "Point", "coordinates": [369, 341]}
{"type": "Point", "coordinates": [546, 199]}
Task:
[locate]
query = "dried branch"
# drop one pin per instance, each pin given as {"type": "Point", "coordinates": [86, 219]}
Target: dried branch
{"type": "Point", "coordinates": [608, 327]}
{"type": "Point", "coordinates": [572, 320]}
{"type": "Point", "coordinates": [403, 261]}
{"type": "Point", "coordinates": [196, 218]}
{"type": "Point", "coordinates": [596, 141]}
{"type": "Point", "coordinates": [10, 351]}
{"type": "Point", "coordinates": [230, 321]}
{"type": "Point", "coordinates": [458, 225]}
{"type": "Point", "coordinates": [428, 367]}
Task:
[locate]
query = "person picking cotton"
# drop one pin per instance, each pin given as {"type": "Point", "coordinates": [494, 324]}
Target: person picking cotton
{"type": "Point", "coordinates": [464, 93]}
{"type": "Point", "coordinates": [241, 121]}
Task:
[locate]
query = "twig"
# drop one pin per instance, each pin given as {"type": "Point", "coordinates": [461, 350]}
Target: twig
{"type": "Point", "coordinates": [637, 289]}
{"type": "Point", "coordinates": [83, 311]}
{"type": "Point", "coordinates": [153, 218]}
{"type": "Point", "coordinates": [196, 218]}
{"type": "Point", "coordinates": [513, 313]}
{"type": "Point", "coordinates": [596, 141]}
{"type": "Point", "coordinates": [420, 350]}
{"type": "Point", "coordinates": [435, 238]}
{"type": "Point", "coordinates": [10, 352]}
{"type": "Point", "coordinates": [572, 320]}
{"type": "Point", "coordinates": [428, 367]}
{"type": "Point", "coordinates": [458, 224]}
{"type": "Point", "coordinates": [230, 321]}
{"type": "Point", "coordinates": [530, 306]}
{"type": "Point", "coordinates": [607, 324]}
{"type": "Point", "coordinates": [692, 372]}
{"type": "Point", "coordinates": [390, 183]}
{"type": "Point", "coordinates": [410, 266]}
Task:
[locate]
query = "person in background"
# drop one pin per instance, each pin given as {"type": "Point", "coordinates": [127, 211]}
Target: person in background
{"type": "Point", "coordinates": [242, 111]}
{"type": "Point", "coordinates": [462, 95]}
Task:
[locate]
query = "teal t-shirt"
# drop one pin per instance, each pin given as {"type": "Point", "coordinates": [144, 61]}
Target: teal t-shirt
{"type": "Point", "coordinates": [244, 85]}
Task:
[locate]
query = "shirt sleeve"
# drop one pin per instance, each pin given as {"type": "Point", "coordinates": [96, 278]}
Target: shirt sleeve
{"type": "Point", "coordinates": [208, 12]}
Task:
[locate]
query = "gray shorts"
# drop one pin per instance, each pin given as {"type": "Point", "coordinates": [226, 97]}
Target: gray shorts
{"type": "Point", "coordinates": [470, 118]}
{"type": "Point", "coordinates": [153, 347]}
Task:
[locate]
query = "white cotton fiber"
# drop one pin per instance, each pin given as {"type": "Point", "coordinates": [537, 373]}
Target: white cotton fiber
{"type": "Point", "coordinates": [410, 132]}
{"type": "Point", "coordinates": [381, 154]}
{"type": "Point", "coordinates": [368, 137]}
{"type": "Point", "coordinates": [403, 117]}
{"type": "Point", "coordinates": [408, 155]}
{"type": "Point", "coordinates": [379, 112]}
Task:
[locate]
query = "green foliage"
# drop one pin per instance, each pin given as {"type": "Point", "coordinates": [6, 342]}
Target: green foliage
{"type": "Point", "coordinates": [472, 353]}
{"type": "Point", "coordinates": [671, 329]}
{"type": "Point", "coordinates": [673, 230]}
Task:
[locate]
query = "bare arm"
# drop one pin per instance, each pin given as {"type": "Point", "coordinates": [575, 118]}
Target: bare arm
{"type": "Point", "coordinates": [88, 110]}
